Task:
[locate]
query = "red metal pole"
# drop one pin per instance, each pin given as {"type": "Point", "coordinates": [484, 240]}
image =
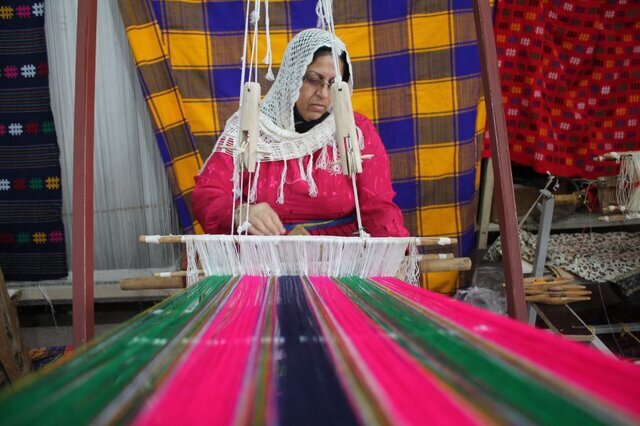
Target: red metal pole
{"type": "Point", "coordinates": [83, 130]}
{"type": "Point", "coordinates": [516, 306]}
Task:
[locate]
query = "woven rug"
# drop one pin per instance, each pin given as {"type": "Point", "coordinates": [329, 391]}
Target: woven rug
{"type": "Point", "coordinates": [31, 231]}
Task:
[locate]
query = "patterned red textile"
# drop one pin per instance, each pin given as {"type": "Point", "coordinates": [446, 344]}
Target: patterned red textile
{"type": "Point", "coordinates": [570, 73]}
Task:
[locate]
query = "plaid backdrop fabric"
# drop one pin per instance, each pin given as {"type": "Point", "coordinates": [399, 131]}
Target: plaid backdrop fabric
{"type": "Point", "coordinates": [417, 77]}
{"type": "Point", "coordinates": [31, 231]}
{"type": "Point", "coordinates": [570, 72]}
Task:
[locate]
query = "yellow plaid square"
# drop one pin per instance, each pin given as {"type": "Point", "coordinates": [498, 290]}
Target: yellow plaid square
{"type": "Point", "coordinates": [144, 44]}
{"type": "Point", "coordinates": [435, 97]}
{"type": "Point", "coordinates": [429, 32]}
{"type": "Point", "coordinates": [166, 108]}
{"type": "Point", "coordinates": [201, 115]}
{"type": "Point", "coordinates": [190, 50]}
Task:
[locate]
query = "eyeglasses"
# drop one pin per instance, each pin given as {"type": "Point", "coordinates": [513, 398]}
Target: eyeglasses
{"type": "Point", "coordinates": [317, 83]}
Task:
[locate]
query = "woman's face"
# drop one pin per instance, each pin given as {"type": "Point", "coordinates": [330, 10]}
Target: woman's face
{"type": "Point", "coordinates": [315, 96]}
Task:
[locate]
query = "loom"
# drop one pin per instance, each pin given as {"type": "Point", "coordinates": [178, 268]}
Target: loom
{"type": "Point", "coordinates": [317, 350]}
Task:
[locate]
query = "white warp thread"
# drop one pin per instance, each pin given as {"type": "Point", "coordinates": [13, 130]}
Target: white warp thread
{"type": "Point", "coordinates": [300, 255]}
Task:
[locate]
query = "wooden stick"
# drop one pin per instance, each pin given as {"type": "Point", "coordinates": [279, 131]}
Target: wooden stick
{"type": "Point", "coordinates": [557, 293]}
{"type": "Point", "coordinates": [445, 265]}
{"type": "Point", "coordinates": [173, 239]}
{"type": "Point", "coordinates": [613, 209]}
{"type": "Point", "coordinates": [497, 127]}
{"type": "Point", "coordinates": [556, 301]}
{"type": "Point", "coordinates": [174, 274]}
{"type": "Point", "coordinates": [436, 256]}
{"type": "Point", "coordinates": [619, 217]}
{"type": "Point", "coordinates": [614, 155]}
{"type": "Point", "coordinates": [83, 149]}
{"type": "Point", "coordinates": [546, 279]}
{"type": "Point", "coordinates": [14, 359]}
{"type": "Point", "coordinates": [149, 283]}
{"type": "Point", "coordinates": [547, 287]}
{"type": "Point", "coordinates": [249, 123]}
{"type": "Point", "coordinates": [567, 198]}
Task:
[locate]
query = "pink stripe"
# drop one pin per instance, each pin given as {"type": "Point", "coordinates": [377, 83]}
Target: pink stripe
{"type": "Point", "coordinates": [206, 387]}
{"type": "Point", "coordinates": [611, 379]}
{"type": "Point", "coordinates": [406, 391]}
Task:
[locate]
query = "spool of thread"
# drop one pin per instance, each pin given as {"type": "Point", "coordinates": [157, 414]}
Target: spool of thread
{"type": "Point", "coordinates": [628, 188]}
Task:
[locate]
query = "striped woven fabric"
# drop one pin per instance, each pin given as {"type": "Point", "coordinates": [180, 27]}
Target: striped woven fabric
{"type": "Point", "coordinates": [292, 350]}
{"type": "Point", "coordinates": [416, 71]}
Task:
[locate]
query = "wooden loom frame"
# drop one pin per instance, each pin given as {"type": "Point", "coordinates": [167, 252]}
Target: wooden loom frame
{"type": "Point", "coordinates": [83, 148]}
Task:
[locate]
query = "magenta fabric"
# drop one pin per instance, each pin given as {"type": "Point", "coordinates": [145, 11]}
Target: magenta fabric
{"type": "Point", "coordinates": [212, 202]}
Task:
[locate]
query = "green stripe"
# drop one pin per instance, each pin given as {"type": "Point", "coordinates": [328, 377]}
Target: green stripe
{"type": "Point", "coordinates": [490, 375]}
{"type": "Point", "coordinates": [78, 390]}
{"type": "Point", "coordinates": [263, 371]}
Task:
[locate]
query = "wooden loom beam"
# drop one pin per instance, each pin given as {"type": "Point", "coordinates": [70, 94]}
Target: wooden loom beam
{"type": "Point", "coordinates": [83, 145]}
{"type": "Point", "coordinates": [176, 239]}
{"type": "Point", "coordinates": [516, 306]}
{"type": "Point", "coordinates": [83, 313]}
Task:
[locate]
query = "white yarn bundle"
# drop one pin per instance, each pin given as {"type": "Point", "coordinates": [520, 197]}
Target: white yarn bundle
{"type": "Point", "coordinates": [628, 190]}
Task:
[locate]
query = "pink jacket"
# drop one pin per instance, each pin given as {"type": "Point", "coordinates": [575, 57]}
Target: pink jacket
{"type": "Point", "coordinates": [212, 200]}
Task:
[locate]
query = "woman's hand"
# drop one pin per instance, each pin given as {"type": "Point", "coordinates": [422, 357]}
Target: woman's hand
{"type": "Point", "coordinates": [263, 219]}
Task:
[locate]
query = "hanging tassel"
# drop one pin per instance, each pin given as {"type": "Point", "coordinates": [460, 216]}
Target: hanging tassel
{"type": "Point", "coordinates": [323, 159]}
{"type": "Point", "coordinates": [255, 16]}
{"type": "Point", "coordinates": [313, 189]}
{"type": "Point", "coordinates": [303, 174]}
{"type": "Point", "coordinates": [360, 138]}
{"type": "Point", "coordinates": [268, 57]}
{"type": "Point", "coordinates": [336, 169]}
{"type": "Point", "coordinates": [413, 267]}
{"type": "Point", "coordinates": [321, 19]}
{"type": "Point", "coordinates": [283, 179]}
{"type": "Point", "coordinates": [244, 227]}
{"type": "Point", "coordinates": [237, 159]}
{"type": "Point", "coordinates": [253, 190]}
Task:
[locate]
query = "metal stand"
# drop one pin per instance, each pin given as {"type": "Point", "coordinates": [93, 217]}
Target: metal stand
{"type": "Point", "coordinates": [546, 206]}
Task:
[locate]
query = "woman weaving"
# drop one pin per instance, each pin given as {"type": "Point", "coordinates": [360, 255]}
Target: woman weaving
{"type": "Point", "coordinates": [298, 180]}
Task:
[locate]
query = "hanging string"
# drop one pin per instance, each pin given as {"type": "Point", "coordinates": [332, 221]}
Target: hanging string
{"type": "Point", "coordinates": [255, 19]}
{"type": "Point", "coordinates": [268, 57]}
{"type": "Point", "coordinates": [239, 135]}
{"type": "Point", "coordinates": [324, 10]}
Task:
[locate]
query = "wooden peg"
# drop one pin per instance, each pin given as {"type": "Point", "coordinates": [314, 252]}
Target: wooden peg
{"type": "Point", "coordinates": [613, 156]}
{"type": "Point", "coordinates": [249, 123]}
{"type": "Point", "coordinates": [346, 136]}
{"type": "Point", "coordinates": [445, 265]}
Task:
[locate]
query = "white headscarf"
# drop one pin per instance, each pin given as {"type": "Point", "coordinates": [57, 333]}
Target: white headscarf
{"type": "Point", "coordinates": [278, 139]}
{"type": "Point", "coordinates": [278, 104]}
